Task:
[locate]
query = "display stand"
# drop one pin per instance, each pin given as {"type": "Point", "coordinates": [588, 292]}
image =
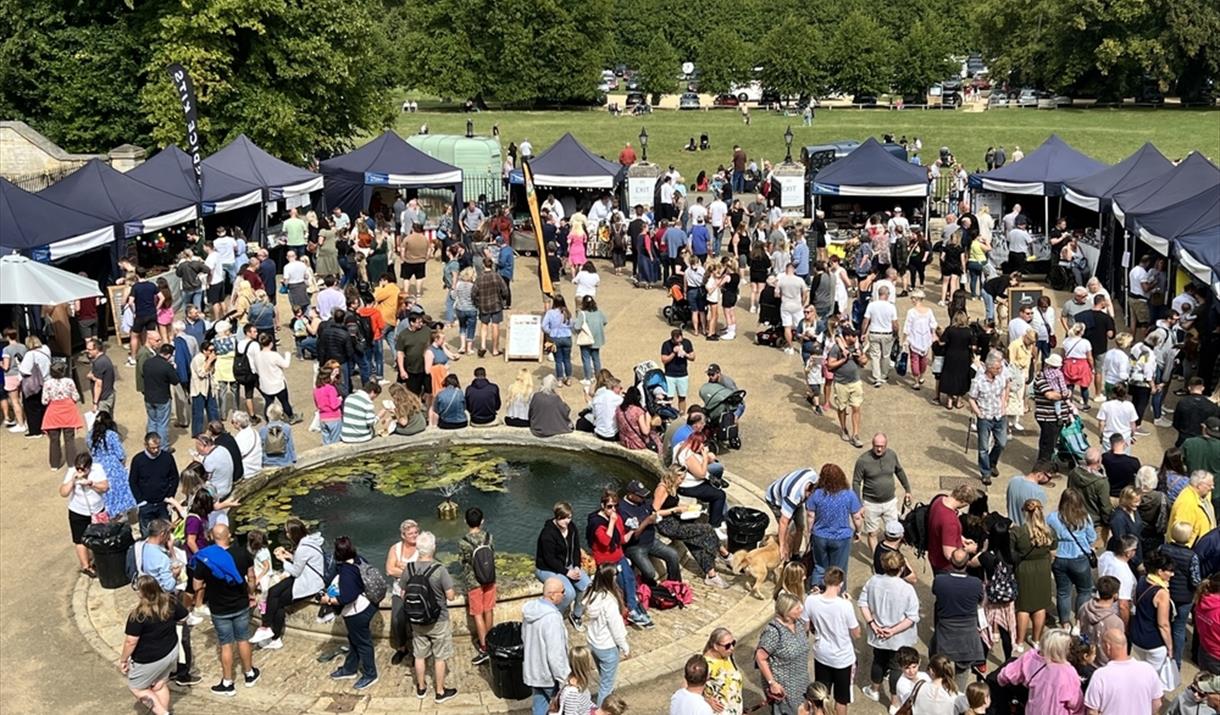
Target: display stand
{"type": "Point", "coordinates": [524, 337]}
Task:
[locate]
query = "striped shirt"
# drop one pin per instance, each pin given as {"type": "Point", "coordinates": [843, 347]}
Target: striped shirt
{"type": "Point", "coordinates": [358, 417]}
{"type": "Point", "coordinates": [788, 492]}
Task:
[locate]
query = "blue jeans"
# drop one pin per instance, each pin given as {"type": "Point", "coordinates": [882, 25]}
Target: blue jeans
{"type": "Point", "coordinates": [1068, 573]}
{"type": "Point", "coordinates": [739, 181]}
{"type": "Point", "coordinates": [1177, 630]}
{"type": "Point", "coordinates": [542, 699]}
{"type": "Point", "coordinates": [231, 627]}
{"type": "Point", "coordinates": [1158, 401]}
{"type": "Point", "coordinates": [450, 313]}
{"type": "Point", "coordinates": [360, 640]}
{"type": "Point", "coordinates": [827, 553]}
{"type": "Point", "coordinates": [332, 430]}
{"type": "Point", "coordinates": [203, 410]}
{"type": "Point", "coordinates": [193, 297]}
{"type": "Point", "coordinates": [607, 668]}
{"type": "Point", "coordinates": [988, 305]}
{"type": "Point", "coordinates": [563, 356]}
{"type": "Point", "coordinates": [1044, 348]}
{"type": "Point", "coordinates": [467, 319]}
{"type": "Point", "coordinates": [309, 345]}
{"type": "Point", "coordinates": [571, 592]}
{"type": "Point", "coordinates": [626, 583]}
{"type": "Point", "coordinates": [641, 556]}
{"type": "Point", "coordinates": [590, 360]}
{"type": "Point", "coordinates": [975, 268]}
{"type": "Point", "coordinates": [993, 436]}
{"type": "Point", "coordinates": [151, 511]}
{"type": "Point", "coordinates": [158, 420]}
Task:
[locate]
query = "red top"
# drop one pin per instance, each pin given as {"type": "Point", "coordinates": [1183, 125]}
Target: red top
{"type": "Point", "coordinates": [944, 529]}
{"type": "Point", "coordinates": [605, 550]}
{"type": "Point", "coordinates": [87, 309]}
{"type": "Point", "coordinates": [626, 157]}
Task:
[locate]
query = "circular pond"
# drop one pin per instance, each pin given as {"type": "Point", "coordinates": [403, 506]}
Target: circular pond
{"type": "Point", "coordinates": [367, 497]}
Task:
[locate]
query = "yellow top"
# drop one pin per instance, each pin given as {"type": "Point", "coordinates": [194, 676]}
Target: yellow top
{"type": "Point", "coordinates": [1193, 510]}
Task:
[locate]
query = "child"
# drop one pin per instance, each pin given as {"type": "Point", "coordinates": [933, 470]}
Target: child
{"type": "Point", "coordinates": [300, 329]}
{"type": "Point", "coordinates": [908, 660]}
{"type": "Point", "coordinates": [815, 378]}
{"type": "Point", "coordinates": [612, 705]}
{"type": "Point", "coordinates": [978, 698]}
{"type": "Point", "coordinates": [480, 597]}
{"type": "Point", "coordinates": [256, 544]}
{"type": "Point", "coordinates": [792, 579]}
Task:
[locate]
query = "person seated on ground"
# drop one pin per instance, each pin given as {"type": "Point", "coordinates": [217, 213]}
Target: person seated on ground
{"type": "Point", "coordinates": [690, 145]}
{"type": "Point", "coordinates": [701, 183]}
{"type": "Point", "coordinates": [700, 539]}
{"type": "Point", "coordinates": [549, 415]}
{"type": "Point", "coordinates": [409, 415]}
{"type": "Point", "coordinates": [635, 428]}
{"type": "Point", "coordinates": [482, 399]}
{"type": "Point", "coordinates": [360, 415]}
{"type": "Point", "coordinates": [695, 416]}
{"type": "Point", "coordinates": [599, 418]}
{"type": "Point", "coordinates": [702, 475]}
{"type": "Point", "coordinates": [705, 142]}
{"type": "Point", "coordinates": [517, 405]}
{"type": "Point", "coordinates": [448, 409]}
{"type": "Point", "coordinates": [279, 450]}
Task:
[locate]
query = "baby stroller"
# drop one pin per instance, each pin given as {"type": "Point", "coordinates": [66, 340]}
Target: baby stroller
{"type": "Point", "coordinates": [654, 389]}
{"type": "Point", "coordinates": [678, 311]}
{"type": "Point", "coordinates": [721, 405]}
{"type": "Point", "coordinates": [1073, 443]}
{"type": "Point", "coordinates": [770, 329]}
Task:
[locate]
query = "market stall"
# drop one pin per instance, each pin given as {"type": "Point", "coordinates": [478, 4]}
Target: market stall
{"type": "Point", "coordinates": [283, 185]}
{"type": "Point", "coordinates": [367, 178]}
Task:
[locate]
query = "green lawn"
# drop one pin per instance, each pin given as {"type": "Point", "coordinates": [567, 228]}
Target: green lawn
{"type": "Point", "coordinates": [1107, 134]}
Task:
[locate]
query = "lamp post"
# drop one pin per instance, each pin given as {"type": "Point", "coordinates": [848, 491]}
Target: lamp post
{"type": "Point", "coordinates": [470, 128]}
{"type": "Point", "coordinates": [788, 144]}
{"type": "Point", "coordinates": [644, 143]}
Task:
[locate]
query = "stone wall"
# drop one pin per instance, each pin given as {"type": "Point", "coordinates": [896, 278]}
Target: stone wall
{"type": "Point", "coordinates": [25, 153]}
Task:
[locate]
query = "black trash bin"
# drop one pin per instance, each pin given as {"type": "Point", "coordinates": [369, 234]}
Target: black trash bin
{"type": "Point", "coordinates": [507, 651]}
{"type": "Point", "coordinates": [109, 543]}
{"type": "Point", "coordinates": [746, 527]}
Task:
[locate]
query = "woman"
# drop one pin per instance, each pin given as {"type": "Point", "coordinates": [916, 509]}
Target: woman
{"type": "Point", "coordinates": [1150, 630]}
{"type": "Point", "coordinates": [919, 330]}
{"type": "Point", "coordinates": [328, 403]}
{"type": "Point", "coordinates": [400, 554]}
{"type": "Point", "coordinates": [976, 264]}
{"type": "Point", "coordinates": [548, 414]}
{"type": "Point", "coordinates": [713, 294]}
{"type": "Point", "coordinates": [378, 261]}
{"type": "Point", "coordinates": [269, 366]}
{"type": "Point", "coordinates": [1127, 521]}
{"type": "Point", "coordinates": [1153, 510]}
{"type": "Point", "coordinates": [1020, 364]}
{"type": "Point", "coordinates": [952, 266]}
{"type": "Point", "coordinates": [699, 538]}
{"type": "Point", "coordinates": [199, 521]}
{"type": "Point", "coordinates": [357, 611]}
{"type": "Point", "coordinates": [436, 361]}
{"type": "Point", "coordinates": [517, 402]}
{"type": "Point", "coordinates": [1044, 325]}
{"type": "Point", "coordinates": [150, 649]}
{"type": "Point", "coordinates": [833, 619]}
{"type": "Point", "coordinates": [106, 449]}
{"type": "Point", "coordinates": [464, 308]}
{"type": "Point", "coordinates": [274, 433]}
{"type": "Point", "coordinates": [558, 556]}
{"type": "Point", "coordinates": [327, 255]}
{"type": "Point", "coordinates": [701, 470]}
{"type": "Point", "coordinates": [303, 569]}
{"type": "Point", "coordinates": [605, 532]}
{"type": "Point", "coordinates": [448, 408]}
{"type": "Point", "coordinates": [1141, 377]}
{"type": "Point", "coordinates": [243, 298]}
{"type": "Point", "coordinates": [262, 314]}
{"type": "Point", "coordinates": [939, 695]}
{"type": "Point", "coordinates": [35, 368]}
{"type": "Point", "coordinates": [759, 264]}
{"type": "Point", "coordinates": [227, 391]}
{"type": "Point", "coordinates": [890, 609]}
{"type": "Point", "coordinates": [836, 516]}
{"type": "Point", "coordinates": [1172, 477]}
{"type": "Point", "coordinates": [956, 375]}
{"type": "Point", "coordinates": [695, 276]}
{"type": "Point", "coordinates": [1116, 364]}
{"type": "Point", "coordinates": [817, 700]}
{"type": "Point", "coordinates": [575, 697]}
{"type": "Point", "coordinates": [557, 326]}
{"type": "Point", "coordinates": [999, 576]}
{"type": "Point", "coordinates": [1032, 543]}
{"type": "Point", "coordinates": [1054, 686]}
{"type": "Point", "coordinates": [730, 292]}
{"type": "Point", "coordinates": [589, 326]}
{"type": "Point", "coordinates": [1207, 624]}
{"type": "Point", "coordinates": [83, 486]}
{"type": "Point", "coordinates": [604, 628]}
{"type": "Point", "coordinates": [1074, 557]}
{"type": "Point", "coordinates": [635, 424]}
{"type": "Point", "coordinates": [61, 417]}
{"type": "Point", "coordinates": [782, 656]}
{"type": "Point", "coordinates": [586, 281]}
{"type": "Point", "coordinates": [577, 238]}
{"type": "Point", "coordinates": [1078, 362]}
{"type": "Point", "coordinates": [724, 678]}
{"type": "Point", "coordinates": [409, 415]}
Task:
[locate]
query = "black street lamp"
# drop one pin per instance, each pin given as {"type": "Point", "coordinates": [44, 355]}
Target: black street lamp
{"type": "Point", "coordinates": [788, 144]}
{"type": "Point", "coordinates": [470, 128]}
{"type": "Point", "coordinates": [644, 143]}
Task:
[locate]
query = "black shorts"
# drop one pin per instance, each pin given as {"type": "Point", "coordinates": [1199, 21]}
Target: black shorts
{"type": "Point", "coordinates": [838, 679]}
{"type": "Point", "coordinates": [414, 270]}
{"type": "Point", "coordinates": [216, 293]}
{"type": "Point", "coordinates": [78, 523]}
{"type": "Point", "coordinates": [144, 323]}
{"type": "Point", "coordinates": [417, 383]}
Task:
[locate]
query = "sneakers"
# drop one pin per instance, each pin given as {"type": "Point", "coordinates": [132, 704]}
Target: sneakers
{"type": "Point", "coordinates": [131, 362]}
{"type": "Point", "coordinates": [1163, 422]}
{"type": "Point", "coordinates": [480, 656]}
{"type": "Point", "coordinates": [715, 581]}
{"type": "Point", "coordinates": [342, 674]}
{"type": "Point", "coordinates": [722, 532]}
{"type": "Point", "coordinates": [576, 622]}
{"type": "Point", "coordinates": [262, 634]}
{"type": "Point", "coordinates": [789, 351]}
{"type": "Point", "coordinates": [194, 619]}
{"type": "Point", "coordinates": [186, 680]}
{"type": "Point", "coordinates": [855, 441]}
{"type": "Point", "coordinates": [640, 619]}
{"type": "Point", "coordinates": [730, 335]}
{"type": "Point", "coordinates": [1141, 432]}
{"type": "Point", "coordinates": [449, 694]}
{"type": "Point", "coordinates": [17, 428]}
{"type": "Point", "coordinates": [871, 693]}
{"type": "Point", "coordinates": [328, 617]}
{"type": "Point", "coordinates": [1099, 398]}
{"type": "Point", "coordinates": [421, 693]}
{"type": "Point", "coordinates": [365, 682]}
{"type": "Point", "coordinates": [252, 677]}
{"type": "Point", "coordinates": [273, 644]}
{"type": "Point", "coordinates": [224, 691]}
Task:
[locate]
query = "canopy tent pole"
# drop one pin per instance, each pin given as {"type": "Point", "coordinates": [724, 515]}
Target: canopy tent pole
{"type": "Point", "coordinates": [1046, 216]}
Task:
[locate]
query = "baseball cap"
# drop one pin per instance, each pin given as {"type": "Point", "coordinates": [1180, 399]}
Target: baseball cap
{"type": "Point", "coordinates": [897, 209]}
{"type": "Point", "coordinates": [1212, 424]}
{"type": "Point", "coordinates": [637, 488]}
{"type": "Point", "coordinates": [893, 528]}
{"type": "Point", "coordinates": [713, 368]}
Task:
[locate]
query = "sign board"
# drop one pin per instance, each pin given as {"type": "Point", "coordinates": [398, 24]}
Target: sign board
{"type": "Point", "coordinates": [1020, 295]}
{"type": "Point", "coordinates": [792, 191]}
{"type": "Point", "coordinates": [524, 337]}
{"type": "Point", "coordinates": [117, 297]}
{"type": "Point", "coordinates": [639, 190]}
{"type": "Point", "coordinates": [994, 203]}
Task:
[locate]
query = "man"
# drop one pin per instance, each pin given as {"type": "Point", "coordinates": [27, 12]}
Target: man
{"type": "Point", "coordinates": [506, 261]}
{"type": "Point", "coordinates": [153, 478]}
{"type": "Point", "coordinates": [958, 596]}
{"type": "Point", "coordinates": [266, 271]}
{"type": "Point", "coordinates": [224, 580]}
{"type": "Point", "coordinates": [1051, 410]}
{"type": "Point", "coordinates": [1090, 480]}
{"type": "Point", "coordinates": [989, 404]}
{"type": "Point", "coordinates": [1120, 467]}
{"type": "Point", "coordinates": [1140, 279]}
{"type": "Point", "coordinates": [217, 463]}
{"type": "Point", "coordinates": [700, 239]}
{"type": "Point", "coordinates": [717, 211]}
{"type": "Point", "coordinates": [1120, 562]}
{"type": "Point", "coordinates": [1098, 330]}
{"type": "Point", "coordinates": [757, 211]}
{"type": "Point", "coordinates": [666, 199]}
{"type": "Point", "coordinates": [944, 527]}
{"type": "Point", "coordinates": [409, 349]}
{"type": "Point", "coordinates": [340, 219]}
{"type": "Point", "coordinates": [412, 215]}
{"type": "Point", "coordinates": [525, 149]}
{"type": "Point", "coordinates": [1194, 507]}
{"type": "Point", "coordinates": [1019, 242]}
{"type": "Point", "coordinates": [194, 325]}
{"type": "Point", "coordinates": [1021, 323]}
{"type": "Point", "coordinates": [330, 297]}
{"type": "Point", "coordinates": [695, 417]}
{"type": "Point", "coordinates": [844, 361]}
{"type": "Point", "coordinates": [1079, 303]}
{"type": "Point", "coordinates": [793, 294]}
{"type": "Point", "coordinates": [545, 668]}
{"type": "Point", "coordinates": [297, 276]}
{"type": "Point", "coordinates": [216, 292]}
{"type": "Point", "coordinates": [413, 252]}
{"type": "Point", "coordinates": [689, 700]}
{"type": "Point", "coordinates": [360, 414]}
{"type": "Point", "coordinates": [675, 241]}
{"type": "Point", "coordinates": [101, 375]}
{"type": "Point", "coordinates": [152, 342]}
{"type": "Point", "coordinates": [890, 609]}
{"type": "Point", "coordinates": [1009, 220]}
{"type": "Point", "coordinates": [1123, 686]}
{"type": "Point", "coordinates": [873, 481]}
{"type": "Point", "coordinates": [249, 273]}
{"type": "Point", "coordinates": [896, 221]}
{"type": "Point", "coordinates": [599, 214]}
{"type": "Point", "coordinates": [490, 295]}
{"type": "Point", "coordinates": [1203, 452]}
{"type": "Point", "coordinates": [249, 443]}
{"type": "Point", "coordinates": [718, 386]}
{"type": "Point", "coordinates": [553, 207]}
{"type": "Point", "coordinates": [881, 326]}
{"type": "Point", "coordinates": [787, 496]}
{"type": "Point", "coordinates": [295, 231]}
{"type": "Point", "coordinates": [433, 640]}
{"type": "Point", "coordinates": [144, 294]}
{"type": "Point", "coordinates": [1099, 614]}
{"type": "Point", "coordinates": [676, 355]}
{"type": "Point", "coordinates": [738, 180]}
{"type": "Point", "coordinates": [640, 542]}
{"type": "Point", "coordinates": [160, 376]}
{"type": "Point", "coordinates": [1192, 412]}
{"type": "Point", "coordinates": [626, 157]}
{"type": "Point", "coordinates": [1027, 486]}
{"type": "Point", "coordinates": [482, 399]}
{"type": "Point", "coordinates": [800, 256]}
{"type": "Point", "coordinates": [192, 272]}
{"type": "Point", "coordinates": [186, 347]}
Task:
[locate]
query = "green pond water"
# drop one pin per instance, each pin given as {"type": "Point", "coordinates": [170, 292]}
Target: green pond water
{"type": "Point", "coordinates": [366, 498]}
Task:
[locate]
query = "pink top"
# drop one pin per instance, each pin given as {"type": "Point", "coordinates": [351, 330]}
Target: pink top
{"type": "Point", "coordinates": [1053, 689]}
{"type": "Point", "coordinates": [326, 399]}
{"type": "Point", "coordinates": [1124, 687]}
{"type": "Point", "coordinates": [1207, 623]}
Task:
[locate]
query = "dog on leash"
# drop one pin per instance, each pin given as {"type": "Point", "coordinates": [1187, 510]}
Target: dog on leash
{"type": "Point", "coordinates": [759, 563]}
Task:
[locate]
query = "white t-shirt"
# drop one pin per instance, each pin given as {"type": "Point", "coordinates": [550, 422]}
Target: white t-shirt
{"type": "Point", "coordinates": [1109, 565]}
{"type": "Point", "coordinates": [226, 248]}
{"type": "Point", "coordinates": [667, 193]}
{"type": "Point", "coordinates": [897, 221]}
{"type": "Point", "coordinates": [906, 685]}
{"type": "Point", "coordinates": [684, 702]}
{"type": "Point", "coordinates": [881, 315]}
{"type": "Point", "coordinates": [791, 289]}
{"type": "Point", "coordinates": [831, 620]}
{"type": "Point", "coordinates": [1135, 280]}
{"type": "Point", "coordinates": [1018, 241]}
{"type": "Point", "coordinates": [933, 699]}
{"type": "Point", "coordinates": [586, 284]}
{"type": "Point", "coordinates": [216, 269]}
{"type": "Point", "coordinates": [295, 272]}
{"type": "Point", "coordinates": [219, 465]}
{"type": "Point", "coordinates": [603, 405]}
{"type": "Point", "coordinates": [250, 444]}
{"type": "Point", "coordinates": [1017, 328]}
{"type": "Point", "coordinates": [1115, 366]}
{"type": "Point", "coordinates": [84, 500]}
{"type": "Point", "coordinates": [697, 213]}
{"type": "Point", "coordinates": [718, 210]}
{"type": "Point", "coordinates": [1116, 416]}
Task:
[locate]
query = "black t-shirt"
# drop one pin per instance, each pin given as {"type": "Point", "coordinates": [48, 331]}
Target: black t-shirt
{"type": "Point", "coordinates": [224, 597]}
{"type": "Point", "coordinates": [1191, 412]}
{"type": "Point", "coordinates": [1098, 325]}
{"type": "Point", "coordinates": [103, 370]}
{"type": "Point", "coordinates": [957, 595]}
{"type": "Point", "coordinates": [881, 550]}
{"type": "Point", "coordinates": [677, 366]}
{"type": "Point", "coordinates": [1120, 471]}
{"type": "Point", "coordinates": [157, 638]}
{"type": "Point", "coordinates": [145, 295]}
{"type": "Point", "coordinates": [996, 287]}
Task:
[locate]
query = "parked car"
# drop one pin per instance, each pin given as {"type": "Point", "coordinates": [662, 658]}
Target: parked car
{"type": "Point", "coordinates": [725, 100]}
{"type": "Point", "coordinates": [867, 100]}
{"type": "Point", "coordinates": [1049, 100]}
{"type": "Point", "coordinates": [999, 98]}
{"type": "Point", "coordinates": [688, 100]}
{"type": "Point", "coordinates": [1027, 97]}
{"type": "Point", "coordinates": [634, 98]}
{"type": "Point", "coordinates": [633, 86]}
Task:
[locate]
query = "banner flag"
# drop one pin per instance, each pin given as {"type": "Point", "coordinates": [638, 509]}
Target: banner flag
{"type": "Point", "coordinates": [186, 95]}
{"type": "Point", "coordinates": [544, 274]}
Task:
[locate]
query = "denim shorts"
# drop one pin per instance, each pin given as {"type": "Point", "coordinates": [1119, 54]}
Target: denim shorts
{"type": "Point", "coordinates": [232, 627]}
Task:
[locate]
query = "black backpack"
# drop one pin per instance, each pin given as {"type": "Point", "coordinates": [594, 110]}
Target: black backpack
{"type": "Point", "coordinates": [483, 562]}
{"type": "Point", "coordinates": [276, 444]}
{"type": "Point", "coordinates": [419, 602]}
{"type": "Point", "coordinates": [915, 527]}
{"type": "Point", "coordinates": [243, 372]}
{"type": "Point", "coordinates": [362, 333]}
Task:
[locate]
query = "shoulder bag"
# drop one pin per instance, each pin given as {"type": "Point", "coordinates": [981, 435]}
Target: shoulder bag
{"type": "Point", "coordinates": [1092, 557]}
{"type": "Point", "coordinates": [909, 706]}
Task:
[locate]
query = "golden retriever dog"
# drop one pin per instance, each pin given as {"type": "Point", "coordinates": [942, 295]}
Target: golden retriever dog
{"type": "Point", "coordinates": [760, 563]}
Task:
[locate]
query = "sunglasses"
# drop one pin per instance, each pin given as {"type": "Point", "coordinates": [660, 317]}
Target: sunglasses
{"type": "Point", "coordinates": [730, 644]}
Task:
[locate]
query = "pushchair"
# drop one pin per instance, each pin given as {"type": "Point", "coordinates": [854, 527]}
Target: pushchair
{"type": "Point", "coordinates": [770, 329]}
{"type": "Point", "coordinates": [654, 389]}
{"type": "Point", "coordinates": [721, 405]}
{"type": "Point", "coordinates": [678, 311]}
{"type": "Point", "coordinates": [1073, 443]}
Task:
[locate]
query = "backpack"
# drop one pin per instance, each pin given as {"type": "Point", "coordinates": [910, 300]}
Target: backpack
{"type": "Point", "coordinates": [243, 372]}
{"type": "Point", "coordinates": [483, 562]}
{"type": "Point", "coordinates": [134, 563]}
{"type": "Point", "coordinates": [361, 334]}
{"type": "Point", "coordinates": [1002, 586]}
{"type": "Point", "coordinates": [276, 444]}
{"type": "Point", "coordinates": [915, 527]}
{"type": "Point", "coordinates": [374, 583]}
{"type": "Point", "coordinates": [418, 601]}
{"type": "Point", "coordinates": [670, 594]}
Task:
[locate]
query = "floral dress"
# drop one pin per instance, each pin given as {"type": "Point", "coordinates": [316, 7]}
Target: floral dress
{"type": "Point", "coordinates": [724, 684]}
{"type": "Point", "coordinates": [113, 458]}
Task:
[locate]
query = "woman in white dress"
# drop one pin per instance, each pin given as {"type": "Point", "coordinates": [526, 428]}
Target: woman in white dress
{"type": "Point", "coordinates": [985, 221]}
{"type": "Point", "coordinates": [919, 331]}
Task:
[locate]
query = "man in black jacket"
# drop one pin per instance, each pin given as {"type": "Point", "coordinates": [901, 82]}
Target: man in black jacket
{"type": "Point", "coordinates": [482, 398]}
{"type": "Point", "coordinates": [335, 343]}
{"type": "Point", "coordinates": [1192, 411]}
{"type": "Point", "coordinates": [153, 477]}
{"type": "Point", "coordinates": [159, 376]}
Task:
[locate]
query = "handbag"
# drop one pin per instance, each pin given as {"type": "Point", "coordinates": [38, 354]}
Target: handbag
{"type": "Point", "coordinates": [585, 337]}
{"type": "Point", "coordinates": [32, 384]}
{"type": "Point", "coordinates": [895, 350]}
{"type": "Point", "coordinates": [909, 706]}
{"type": "Point", "coordinates": [1092, 557]}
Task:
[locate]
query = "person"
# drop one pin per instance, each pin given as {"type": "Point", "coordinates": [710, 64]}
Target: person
{"type": "Point", "coordinates": [1150, 628]}
{"type": "Point", "coordinates": [604, 628]}
{"type": "Point", "coordinates": [61, 418]}
{"type": "Point", "coordinates": [606, 534]}
{"type": "Point", "coordinates": [1051, 409]}
{"type": "Point", "coordinates": [545, 643]}
{"type": "Point", "coordinates": [1117, 416]}
{"type": "Point", "coordinates": [153, 478]}
{"type": "Point", "coordinates": [83, 485]}
{"type": "Point", "coordinates": [575, 697]}
{"type": "Point", "coordinates": [836, 516]}
{"type": "Point", "coordinates": [328, 403]}
{"type": "Point", "coordinates": [1116, 562]}
{"type": "Point", "coordinates": [1054, 686]}
{"type": "Point", "coordinates": [599, 418]}
{"type": "Point", "coordinates": [907, 662]}
{"type": "Point", "coordinates": [480, 597]}
{"type": "Point", "coordinates": [793, 294]}
{"type": "Point", "coordinates": [1032, 543]}
{"type": "Point", "coordinates": [1153, 509]}
{"type": "Point", "coordinates": [517, 401]}
{"type": "Point", "coordinates": [558, 556]}
{"type": "Point", "coordinates": [782, 655]}
{"type": "Point", "coordinates": [881, 327]}
{"type": "Point", "coordinates": [890, 608]}
{"type": "Point", "coordinates": [589, 325]}
{"type": "Point", "coordinates": [482, 398]}
{"type": "Point", "coordinates": [989, 395]}
{"type": "Point", "coordinates": [448, 408]}
{"type": "Point", "coordinates": [399, 555]}
{"type": "Point", "coordinates": [936, 692]}
{"type": "Point", "coordinates": [557, 326]}
{"type": "Point", "coordinates": [640, 538]}
{"type": "Point", "coordinates": [998, 569]}
{"type": "Point", "coordinates": [918, 331]}
{"type": "Point", "coordinates": [787, 496]}
{"type": "Point", "coordinates": [490, 297]}
{"type": "Point", "coordinates": [1027, 486]}
{"type": "Point", "coordinates": [1078, 362]}
{"type": "Point", "coordinates": [548, 414]}
{"type": "Point", "coordinates": [1203, 452]}
{"type": "Point", "coordinates": [101, 376]}
{"type": "Point", "coordinates": [634, 424]}
{"type": "Point", "coordinates": [1207, 626]}
{"type": "Point", "coordinates": [873, 481]}
{"type": "Point", "coordinates": [1183, 585]}
{"type": "Point", "coordinates": [1123, 685]}
{"type": "Point", "coordinates": [952, 265]}
{"type": "Point", "coordinates": [269, 366]}
{"type": "Point", "coordinates": [409, 348]}
{"type": "Point", "coordinates": [436, 362]}
{"type": "Point", "coordinates": [891, 542]}
{"type": "Point", "coordinates": [106, 449]}
{"type": "Point", "coordinates": [1020, 370]}
{"type": "Point", "coordinates": [413, 257]}
{"type": "Point", "coordinates": [944, 528]}
{"type": "Point", "coordinates": [700, 539]}
{"type": "Point", "coordinates": [303, 568]}
{"type": "Point", "coordinates": [1192, 412]}
{"type": "Point", "coordinates": [957, 346]}
{"type": "Point", "coordinates": [204, 406]}
{"type": "Point", "coordinates": [430, 640]}
{"type": "Point", "coordinates": [1072, 566]}
{"type": "Point", "coordinates": [360, 415]}
{"type": "Point", "coordinates": [676, 354]}
{"type": "Point", "coordinates": [701, 471]}
{"type": "Point", "coordinates": [1193, 506]}
{"type": "Point", "coordinates": [150, 648]}
{"type": "Point", "coordinates": [223, 579]}
{"type": "Point", "coordinates": [275, 436]}
{"type": "Point", "coordinates": [955, 622]}
{"type": "Point", "coordinates": [1099, 614]}
{"type": "Point", "coordinates": [844, 360]}
{"type": "Point", "coordinates": [689, 700]}
{"type": "Point", "coordinates": [159, 375]}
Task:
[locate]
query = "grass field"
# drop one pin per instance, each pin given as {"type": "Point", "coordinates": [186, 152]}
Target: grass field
{"type": "Point", "coordinates": [1106, 134]}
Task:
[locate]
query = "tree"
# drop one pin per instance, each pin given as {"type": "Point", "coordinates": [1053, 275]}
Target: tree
{"type": "Point", "coordinates": [658, 66]}
{"type": "Point", "coordinates": [793, 63]}
{"type": "Point", "coordinates": [860, 55]}
{"type": "Point", "coordinates": [724, 60]}
{"type": "Point", "coordinates": [924, 59]}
